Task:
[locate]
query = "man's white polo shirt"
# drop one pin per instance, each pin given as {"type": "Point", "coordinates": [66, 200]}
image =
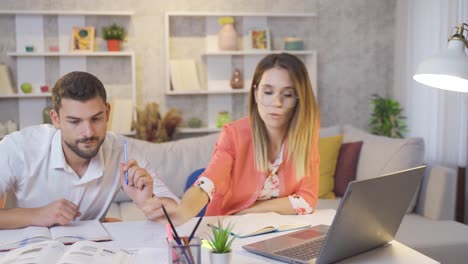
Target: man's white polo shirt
{"type": "Point", "coordinates": [34, 167]}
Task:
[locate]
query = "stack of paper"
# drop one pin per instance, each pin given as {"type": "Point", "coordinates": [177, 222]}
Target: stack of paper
{"type": "Point", "coordinates": [121, 116]}
{"type": "Point", "coordinates": [184, 76]}
{"type": "Point", "coordinates": [6, 87]}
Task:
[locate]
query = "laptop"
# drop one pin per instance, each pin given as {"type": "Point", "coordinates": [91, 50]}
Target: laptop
{"type": "Point", "coordinates": [368, 217]}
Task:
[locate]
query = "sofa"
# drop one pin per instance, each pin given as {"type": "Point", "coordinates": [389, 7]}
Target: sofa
{"type": "Point", "coordinates": [428, 227]}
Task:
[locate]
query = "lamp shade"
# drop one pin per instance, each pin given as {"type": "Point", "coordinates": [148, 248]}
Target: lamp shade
{"type": "Point", "coordinates": [448, 70]}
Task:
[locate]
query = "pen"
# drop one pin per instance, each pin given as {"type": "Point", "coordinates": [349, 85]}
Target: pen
{"type": "Point", "coordinates": [125, 159]}
{"type": "Point", "coordinates": [195, 229]}
{"type": "Point", "coordinates": [176, 236]}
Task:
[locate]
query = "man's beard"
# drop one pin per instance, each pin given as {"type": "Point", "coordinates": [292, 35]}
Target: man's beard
{"type": "Point", "coordinates": [85, 154]}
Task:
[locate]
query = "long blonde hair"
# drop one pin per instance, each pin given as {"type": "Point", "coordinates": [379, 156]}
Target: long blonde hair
{"type": "Point", "coordinates": [302, 126]}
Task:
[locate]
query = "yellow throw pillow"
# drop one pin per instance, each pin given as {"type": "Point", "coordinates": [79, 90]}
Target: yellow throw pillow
{"type": "Point", "coordinates": [329, 148]}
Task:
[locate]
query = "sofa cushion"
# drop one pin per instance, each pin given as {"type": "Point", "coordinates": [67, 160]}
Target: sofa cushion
{"type": "Point", "coordinates": [382, 155]}
{"type": "Point", "coordinates": [329, 149]}
{"type": "Point", "coordinates": [346, 166]}
{"type": "Point", "coordinates": [174, 161]}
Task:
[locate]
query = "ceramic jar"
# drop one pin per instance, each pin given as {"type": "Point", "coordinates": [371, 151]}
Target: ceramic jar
{"type": "Point", "coordinates": [227, 37]}
{"type": "Point", "coordinates": [237, 82]}
{"type": "Point", "coordinates": [223, 118]}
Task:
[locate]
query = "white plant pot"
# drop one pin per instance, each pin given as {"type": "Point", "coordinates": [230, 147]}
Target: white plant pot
{"type": "Point", "coordinates": [220, 258]}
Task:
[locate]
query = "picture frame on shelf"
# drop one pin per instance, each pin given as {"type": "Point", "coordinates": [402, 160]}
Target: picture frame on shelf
{"type": "Point", "coordinates": [258, 39]}
{"type": "Point", "coordinates": [83, 39]}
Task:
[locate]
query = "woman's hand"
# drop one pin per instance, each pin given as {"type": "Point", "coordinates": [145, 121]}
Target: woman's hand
{"type": "Point", "coordinates": [140, 182]}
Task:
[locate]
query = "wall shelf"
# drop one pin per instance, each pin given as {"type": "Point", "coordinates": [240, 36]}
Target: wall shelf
{"type": "Point", "coordinates": [116, 69]}
{"type": "Point", "coordinates": [66, 12]}
{"type": "Point", "coordinates": [259, 52]}
{"type": "Point", "coordinates": [32, 95]}
{"type": "Point", "coordinates": [188, 130]}
{"type": "Point", "coordinates": [72, 54]}
{"type": "Point", "coordinates": [241, 14]}
{"type": "Point", "coordinates": [230, 91]}
{"type": "Point", "coordinates": [214, 67]}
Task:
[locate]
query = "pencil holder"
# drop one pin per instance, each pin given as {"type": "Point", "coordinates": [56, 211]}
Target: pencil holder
{"type": "Point", "coordinates": [184, 253]}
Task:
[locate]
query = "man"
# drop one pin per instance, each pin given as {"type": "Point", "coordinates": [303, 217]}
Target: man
{"type": "Point", "coordinates": [73, 169]}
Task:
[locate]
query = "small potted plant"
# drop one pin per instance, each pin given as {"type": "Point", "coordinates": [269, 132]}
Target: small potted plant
{"type": "Point", "coordinates": [220, 244]}
{"type": "Point", "coordinates": [114, 35]}
{"type": "Point", "coordinates": [387, 118]}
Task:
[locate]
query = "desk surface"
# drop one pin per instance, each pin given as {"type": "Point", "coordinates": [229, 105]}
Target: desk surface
{"type": "Point", "coordinates": [146, 234]}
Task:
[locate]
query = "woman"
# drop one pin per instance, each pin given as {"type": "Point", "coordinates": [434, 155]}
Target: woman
{"type": "Point", "coordinates": [268, 162]}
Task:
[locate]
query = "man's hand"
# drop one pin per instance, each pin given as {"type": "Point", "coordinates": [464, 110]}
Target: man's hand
{"type": "Point", "coordinates": [140, 182]}
{"type": "Point", "coordinates": [59, 212]}
{"type": "Point", "coordinates": [152, 208]}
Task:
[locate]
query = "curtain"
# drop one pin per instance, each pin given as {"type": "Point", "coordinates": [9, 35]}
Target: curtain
{"type": "Point", "coordinates": [440, 117]}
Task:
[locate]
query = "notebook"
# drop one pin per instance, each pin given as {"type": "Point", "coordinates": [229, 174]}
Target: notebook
{"type": "Point", "coordinates": [262, 223]}
{"type": "Point", "coordinates": [368, 217]}
{"type": "Point", "coordinates": [68, 234]}
{"type": "Point", "coordinates": [83, 252]}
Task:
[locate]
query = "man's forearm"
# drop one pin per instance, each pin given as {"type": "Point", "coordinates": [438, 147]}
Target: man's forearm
{"type": "Point", "coordinates": [16, 218]}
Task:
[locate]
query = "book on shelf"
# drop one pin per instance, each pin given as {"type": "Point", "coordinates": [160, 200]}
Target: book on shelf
{"type": "Point", "coordinates": [68, 234]}
{"type": "Point", "coordinates": [262, 223]}
{"type": "Point", "coordinates": [83, 252]}
{"type": "Point", "coordinates": [6, 86]}
{"type": "Point", "coordinates": [184, 75]}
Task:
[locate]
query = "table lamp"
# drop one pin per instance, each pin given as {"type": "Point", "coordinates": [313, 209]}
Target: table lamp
{"type": "Point", "coordinates": [449, 71]}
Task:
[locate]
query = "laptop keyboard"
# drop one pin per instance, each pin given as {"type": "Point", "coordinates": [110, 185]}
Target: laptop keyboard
{"type": "Point", "coordinates": [306, 251]}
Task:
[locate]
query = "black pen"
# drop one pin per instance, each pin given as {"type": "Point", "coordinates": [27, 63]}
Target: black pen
{"type": "Point", "coordinates": [195, 229]}
{"type": "Point", "coordinates": [176, 236]}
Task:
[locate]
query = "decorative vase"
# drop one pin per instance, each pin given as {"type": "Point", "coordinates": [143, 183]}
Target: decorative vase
{"type": "Point", "coordinates": [223, 118]}
{"type": "Point", "coordinates": [113, 45]}
{"type": "Point", "coordinates": [220, 258]}
{"type": "Point", "coordinates": [194, 122]}
{"type": "Point", "coordinates": [237, 81]}
{"type": "Point", "coordinates": [227, 37]}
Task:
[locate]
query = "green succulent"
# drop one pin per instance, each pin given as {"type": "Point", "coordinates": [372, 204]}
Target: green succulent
{"type": "Point", "coordinates": [219, 238]}
{"type": "Point", "coordinates": [114, 32]}
{"type": "Point", "coordinates": [387, 119]}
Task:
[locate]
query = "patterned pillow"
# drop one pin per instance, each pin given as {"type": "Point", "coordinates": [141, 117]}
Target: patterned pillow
{"type": "Point", "coordinates": [346, 166]}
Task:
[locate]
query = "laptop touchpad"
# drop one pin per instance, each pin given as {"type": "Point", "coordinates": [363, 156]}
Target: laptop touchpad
{"type": "Point", "coordinates": [306, 234]}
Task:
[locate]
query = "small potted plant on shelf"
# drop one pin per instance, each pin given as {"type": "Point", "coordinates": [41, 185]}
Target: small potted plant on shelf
{"type": "Point", "coordinates": [220, 244]}
{"type": "Point", "coordinates": [114, 35]}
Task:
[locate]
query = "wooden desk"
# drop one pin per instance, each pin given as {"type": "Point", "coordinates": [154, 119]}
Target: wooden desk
{"type": "Point", "coordinates": [145, 234]}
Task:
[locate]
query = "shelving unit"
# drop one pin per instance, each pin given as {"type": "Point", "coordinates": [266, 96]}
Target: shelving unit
{"type": "Point", "coordinates": [193, 35]}
{"type": "Point", "coordinates": [32, 66]}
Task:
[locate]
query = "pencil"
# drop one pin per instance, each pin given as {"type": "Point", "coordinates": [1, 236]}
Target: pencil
{"type": "Point", "coordinates": [176, 236]}
{"type": "Point", "coordinates": [195, 229]}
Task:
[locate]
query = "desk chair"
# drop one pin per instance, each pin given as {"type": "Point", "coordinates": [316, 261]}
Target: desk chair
{"type": "Point", "coordinates": [190, 181]}
{"type": "Point", "coordinates": [2, 201]}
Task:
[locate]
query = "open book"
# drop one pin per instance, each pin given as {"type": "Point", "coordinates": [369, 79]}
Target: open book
{"type": "Point", "coordinates": [72, 232]}
{"type": "Point", "coordinates": [262, 223]}
{"type": "Point", "coordinates": [83, 252]}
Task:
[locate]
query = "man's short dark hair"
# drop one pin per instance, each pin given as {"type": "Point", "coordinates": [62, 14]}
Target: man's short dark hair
{"type": "Point", "coordinates": [79, 86]}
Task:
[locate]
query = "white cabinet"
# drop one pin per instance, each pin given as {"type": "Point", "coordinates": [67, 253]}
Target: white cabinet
{"type": "Point", "coordinates": [44, 67]}
{"type": "Point", "coordinates": [193, 36]}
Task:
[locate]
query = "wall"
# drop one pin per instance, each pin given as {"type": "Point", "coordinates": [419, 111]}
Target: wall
{"type": "Point", "coordinates": [354, 40]}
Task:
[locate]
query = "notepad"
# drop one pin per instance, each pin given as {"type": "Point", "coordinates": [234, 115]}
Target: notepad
{"type": "Point", "coordinates": [262, 223]}
{"type": "Point", "coordinates": [67, 234]}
